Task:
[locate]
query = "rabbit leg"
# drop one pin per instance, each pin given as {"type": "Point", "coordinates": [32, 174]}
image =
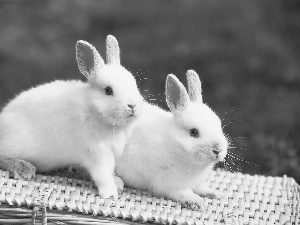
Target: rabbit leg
{"type": "Point", "coordinates": [188, 198]}
{"type": "Point", "coordinates": [119, 183]}
{"type": "Point", "coordinates": [208, 192]}
{"type": "Point", "coordinates": [21, 169]}
{"type": "Point", "coordinates": [101, 169]}
{"type": "Point", "coordinates": [84, 174]}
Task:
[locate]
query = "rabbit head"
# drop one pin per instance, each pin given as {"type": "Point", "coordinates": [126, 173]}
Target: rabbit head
{"type": "Point", "coordinates": [196, 133]}
{"type": "Point", "coordinates": [113, 90]}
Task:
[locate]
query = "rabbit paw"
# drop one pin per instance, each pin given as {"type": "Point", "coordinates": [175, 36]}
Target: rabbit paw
{"type": "Point", "coordinates": [189, 199]}
{"type": "Point", "coordinates": [215, 194]}
{"type": "Point", "coordinates": [23, 169]}
{"type": "Point", "coordinates": [209, 193]}
{"type": "Point", "coordinates": [119, 183]}
{"type": "Point", "coordinates": [108, 192]}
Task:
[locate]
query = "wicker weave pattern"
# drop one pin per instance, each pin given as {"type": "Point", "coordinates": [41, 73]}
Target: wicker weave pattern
{"type": "Point", "coordinates": [250, 200]}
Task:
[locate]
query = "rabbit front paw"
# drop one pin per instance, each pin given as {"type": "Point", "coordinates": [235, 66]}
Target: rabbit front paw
{"type": "Point", "coordinates": [189, 199]}
{"type": "Point", "coordinates": [209, 192]}
{"type": "Point", "coordinates": [215, 194]}
{"type": "Point", "coordinates": [23, 169]}
{"type": "Point", "coordinates": [119, 183]}
{"type": "Point", "coordinates": [107, 192]}
{"type": "Point", "coordinates": [111, 190]}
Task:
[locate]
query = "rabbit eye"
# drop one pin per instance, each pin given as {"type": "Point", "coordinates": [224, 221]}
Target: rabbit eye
{"type": "Point", "coordinates": [194, 132]}
{"type": "Point", "coordinates": [109, 91]}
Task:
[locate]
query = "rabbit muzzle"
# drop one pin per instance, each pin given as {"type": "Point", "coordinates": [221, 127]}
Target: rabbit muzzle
{"type": "Point", "coordinates": [219, 152]}
{"type": "Point", "coordinates": [131, 109]}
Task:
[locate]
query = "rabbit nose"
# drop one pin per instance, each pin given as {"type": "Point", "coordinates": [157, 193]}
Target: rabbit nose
{"type": "Point", "coordinates": [215, 152]}
{"type": "Point", "coordinates": [216, 149]}
{"type": "Point", "coordinates": [131, 106]}
{"type": "Point", "coordinates": [131, 109]}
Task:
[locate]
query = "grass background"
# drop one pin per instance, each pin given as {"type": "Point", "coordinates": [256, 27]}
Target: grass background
{"type": "Point", "coordinates": [246, 53]}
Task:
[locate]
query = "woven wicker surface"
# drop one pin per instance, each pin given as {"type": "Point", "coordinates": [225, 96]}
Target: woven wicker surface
{"type": "Point", "coordinates": [250, 200]}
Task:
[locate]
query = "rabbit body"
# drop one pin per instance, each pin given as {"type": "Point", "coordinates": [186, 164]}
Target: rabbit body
{"type": "Point", "coordinates": [54, 124]}
{"type": "Point", "coordinates": [74, 122]}
{"type": "Point", "coordinates": [161, 155]}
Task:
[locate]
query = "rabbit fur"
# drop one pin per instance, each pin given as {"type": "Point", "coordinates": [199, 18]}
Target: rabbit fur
{"type": "Point", "coordinates": [161, 156]}
{"type": "Point", "coordinates": [74, 122]}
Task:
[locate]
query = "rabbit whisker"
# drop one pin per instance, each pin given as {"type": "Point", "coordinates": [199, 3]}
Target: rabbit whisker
{"type": "Point", "coordinates": [230, 111]}
{"type": "Point", "coordinates": [237, 157]}
{"type": "Point", "coordinates": [137, 73]}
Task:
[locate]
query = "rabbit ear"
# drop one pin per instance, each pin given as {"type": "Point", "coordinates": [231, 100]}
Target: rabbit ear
{"type": "Point", "coordinates": [112, 50]}
{"type": "Point", "coordinates": [176, 95]}
{"type": "Point", "coordinates": [194, 86]}
{"type": "Point", "coordinates": [88, 59]}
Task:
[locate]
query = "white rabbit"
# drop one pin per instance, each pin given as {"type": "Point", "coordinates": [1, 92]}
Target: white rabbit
{"type": "Point", "coordinates": [172, 153]}
{"type": "Point", "coordinates": [72, 122]}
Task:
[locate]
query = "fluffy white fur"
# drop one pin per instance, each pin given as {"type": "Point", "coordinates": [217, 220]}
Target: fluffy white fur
{"type": "Point", "coordinates": [71, 122]}
{"type": "Point", "coordinates": [161, 156]}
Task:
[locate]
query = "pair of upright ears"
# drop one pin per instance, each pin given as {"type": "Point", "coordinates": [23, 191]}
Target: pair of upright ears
{"type": "Point", "coordinates": [176, 95]}
{"type": "Point", "coordinates": [89, 60]}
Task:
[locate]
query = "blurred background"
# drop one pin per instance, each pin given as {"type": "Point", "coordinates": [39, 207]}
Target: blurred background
{"type": "Point", "coordinates": [247, 54]}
